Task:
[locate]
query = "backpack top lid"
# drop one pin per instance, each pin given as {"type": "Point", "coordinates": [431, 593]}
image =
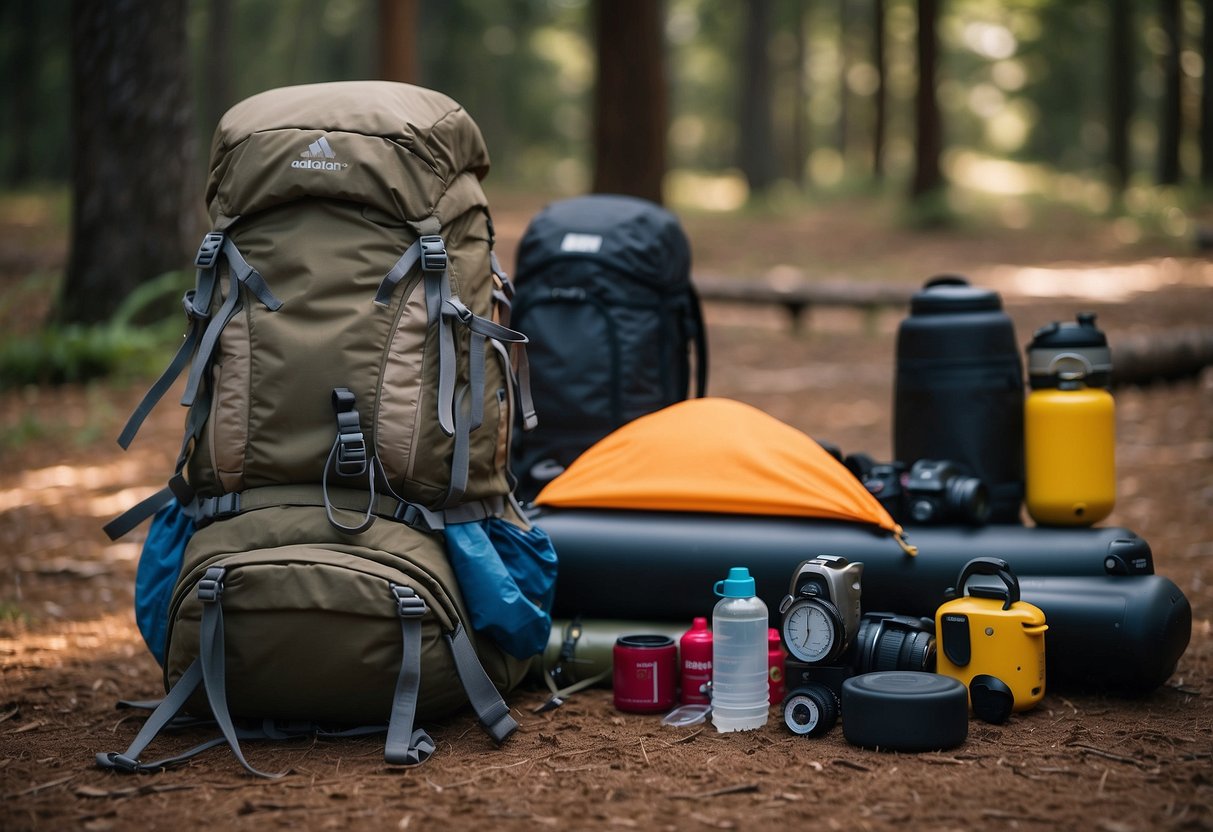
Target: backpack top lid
{"type": "Point", "coordinates": [625, 233]}
{"type": "Point", "coordinates": [396, 147]}
{"type": "Point", "coordinates": [715, 455]}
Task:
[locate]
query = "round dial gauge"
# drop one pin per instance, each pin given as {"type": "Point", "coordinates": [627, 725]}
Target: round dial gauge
{"type": "Point", "coordinates": [810, 631]}
{"type": "Point", "coordinates": [811, 711]}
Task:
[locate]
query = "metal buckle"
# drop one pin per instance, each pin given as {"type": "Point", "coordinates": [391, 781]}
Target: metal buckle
{"type": "Point", "coordinates": [208, 252]}
{"type": "Point", "coordinates": [408, 603]}
{"type": "Point", "coordinates": [433, 253]}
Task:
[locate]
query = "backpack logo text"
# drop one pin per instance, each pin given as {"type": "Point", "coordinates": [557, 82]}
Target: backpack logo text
{"type": "Point", "coordinates": [319, 156]}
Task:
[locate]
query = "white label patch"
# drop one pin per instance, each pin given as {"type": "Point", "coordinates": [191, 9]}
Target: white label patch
{"type": "Point", "coordinates": [581, 243]}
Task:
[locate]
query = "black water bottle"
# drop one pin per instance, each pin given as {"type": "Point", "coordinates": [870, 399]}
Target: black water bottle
{"type": "Point", "coordinates": [959, 392]}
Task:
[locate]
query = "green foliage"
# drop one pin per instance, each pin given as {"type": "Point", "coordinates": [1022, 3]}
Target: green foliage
{"type": "Point", "coordinates": [12, 613]}
{"type": "Point", "coordinates": [61, 354]}
{"type": "Point", "coordinates": [929, 211]}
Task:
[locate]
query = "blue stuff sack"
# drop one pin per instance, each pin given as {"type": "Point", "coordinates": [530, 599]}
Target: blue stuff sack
{"type": "Point", "coordinates": [159, 564]}
{"type": "Point", "coordinates": [507, 575]}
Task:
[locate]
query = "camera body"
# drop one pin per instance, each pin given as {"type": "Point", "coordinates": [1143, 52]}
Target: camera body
{"type": "Point", "coordinates": [829, 640]}
{"type": "Point", "coordinates": [931, 491]}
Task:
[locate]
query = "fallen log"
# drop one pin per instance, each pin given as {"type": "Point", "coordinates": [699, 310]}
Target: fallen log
{"type": "Point", "coordinates": [797, 296]}
{"type": "Point", "coordinates": [1166, 355]}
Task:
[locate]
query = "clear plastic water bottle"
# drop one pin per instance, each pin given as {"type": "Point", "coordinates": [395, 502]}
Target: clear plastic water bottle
{"type": "Point", "coordinates": [740, 693]}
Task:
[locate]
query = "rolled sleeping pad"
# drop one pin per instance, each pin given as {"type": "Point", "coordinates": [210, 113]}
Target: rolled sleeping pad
{"type": "Point", "coordinates": [647, 566]}
{"type": "Point", "coordinates": [1123, 635]}
{"type": "Point", "coordinates": [594, 651]}
{"type": "Point", "coordinates": [640, 565]}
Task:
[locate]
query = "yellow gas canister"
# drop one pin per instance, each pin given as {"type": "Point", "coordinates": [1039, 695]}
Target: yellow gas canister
{"type": "Point", "coordinates": [1070, 455]}
{"type": "Point", "coordinates": [991, 641]}
{"type": "Point", "coordinates": [1069, 425]}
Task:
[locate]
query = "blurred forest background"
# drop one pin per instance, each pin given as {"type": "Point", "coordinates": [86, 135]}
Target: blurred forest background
{"type": "Point", "coordinates": [952, 111]}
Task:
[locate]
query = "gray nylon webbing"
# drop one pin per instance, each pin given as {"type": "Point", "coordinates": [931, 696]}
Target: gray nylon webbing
{"type": "Point", "coordinates": [214, 670]}
{"type": "Point", "coordinates": [476, 359]}
{"type": "Point", "coordinates": [486, 701]}
{"type": "Point", "coordinates": [437, 292]}
{"type": "Point", "coordinates": [197, 305]}
{"type": "Point", "coordinates": [405, 746]}
{"type": "Point", "coordinates": [397, 273]}
{"type": "Point", "coordinates": [351, 499]}
{"type": "Point", "coordinates": [161, 716]}
{"type": "Point", "coordinates": [461, 453]}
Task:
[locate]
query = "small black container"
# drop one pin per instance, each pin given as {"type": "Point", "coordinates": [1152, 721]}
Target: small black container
{"type": "Point", "coordinates": [959, 391]}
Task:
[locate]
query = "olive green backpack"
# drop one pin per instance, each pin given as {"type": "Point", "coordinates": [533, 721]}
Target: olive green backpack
{"type": "Point", "coordinates": [350, 388]}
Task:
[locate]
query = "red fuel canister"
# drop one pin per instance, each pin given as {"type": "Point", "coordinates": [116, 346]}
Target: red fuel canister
{"type": "Point", "coordinates": [695, 662]}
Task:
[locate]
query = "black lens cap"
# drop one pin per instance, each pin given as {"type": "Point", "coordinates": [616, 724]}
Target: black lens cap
{"type": "Point", "coordinates": [992, 699]}
{"type": "Point", "coordinates": [905, 710]}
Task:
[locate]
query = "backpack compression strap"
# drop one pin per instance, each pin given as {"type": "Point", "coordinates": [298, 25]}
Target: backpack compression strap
{"type": "Point", "coordinates": [199, 344]}
{"type": "Point", "coordinates": [349, 458]}
{"type": "Point", "coordinates": [443, 310]}
{"type": "Point", "coordinates": [522, 377]}
{"type": "Point", "coordinates": [486, 701]}
{"type": "Point", "coordinates": [404, 745]}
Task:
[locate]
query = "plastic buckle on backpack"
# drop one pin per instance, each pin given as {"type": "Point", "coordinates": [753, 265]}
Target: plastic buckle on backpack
{"type": "Point", "coordinates": [122, 762]}
{"type": "Point", "coordinates": [210, 586]}
{"type": "Point", "coordinates": [225, 505]}
{"type": "Point", "coordinates": [351, 454]}
{"type": "Point", "coordinates": [351, 460]}
{"type": "Point", "coordinates": [208, 252]}
{"type": "Point", "coordinates": [408, 603]}
{"type": "Point", "coordinates": [406, 513]}
{"type": "Point", "coordinates": [433, 253]}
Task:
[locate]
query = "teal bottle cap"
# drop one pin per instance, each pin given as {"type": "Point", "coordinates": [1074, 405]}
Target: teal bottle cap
{"type": "Point", "coordinates": [739, 584]}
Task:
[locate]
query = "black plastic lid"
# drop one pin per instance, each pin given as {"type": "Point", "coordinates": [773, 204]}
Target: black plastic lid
{"type": "Point", "coordinates": [947, 294]}
{"type": "Point", "coordinates": [1067, 335]}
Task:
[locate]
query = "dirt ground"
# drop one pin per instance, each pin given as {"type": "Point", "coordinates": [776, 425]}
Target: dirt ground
{"type": "Point", "coordinates": [69, 647]}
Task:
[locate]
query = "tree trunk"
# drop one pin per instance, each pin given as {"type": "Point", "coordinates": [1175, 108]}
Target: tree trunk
{"type": "Point", "coordinates": [22, 82]}
{"type": "Point", "coordinates": [928, 126]}
{"type": "Point", "coordinates": [1170, 119]}
{"type": "Point", "coordinates": [630, 98]}
{"type": "Point", "coordinates": [135, 207]}
{"type": "Point", "coordinates": [800, 104]}
{"type": "Point", "coordinates": [881, 97]}
{"type": "Point", "coordinates": [844, 96]}
{"type": "Point", "coordinates": [1206, 97]}
{"type": "Point", "coordinates": [1121, 85]}
{"type": "Point", "coordinates": [398, 41]}
{"type": "Point", "coordinates": [756, 146]}
{"type": "Point", "coordinates": [218, 61]}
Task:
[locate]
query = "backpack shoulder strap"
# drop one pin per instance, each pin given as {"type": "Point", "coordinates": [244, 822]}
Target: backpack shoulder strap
{"type": "Point", "coordinates": [700, 337]}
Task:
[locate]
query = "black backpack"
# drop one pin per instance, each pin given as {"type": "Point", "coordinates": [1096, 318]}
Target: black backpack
{"type": "Point", "coordinates": [604, 294]}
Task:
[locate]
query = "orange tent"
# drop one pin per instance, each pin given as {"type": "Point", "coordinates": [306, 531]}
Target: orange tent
{"type": "Point", "coordinates": [719, 456]}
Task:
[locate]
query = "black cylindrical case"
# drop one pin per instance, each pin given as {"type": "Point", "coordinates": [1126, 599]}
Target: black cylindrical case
{"type": "Point", "coordinates": [958, 391]}
{"type": "Point", "coordinates": [1113, 624]}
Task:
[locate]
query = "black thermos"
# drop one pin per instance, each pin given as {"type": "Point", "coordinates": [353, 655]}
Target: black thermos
{"type": "Point", "coordinates": [959, 392]}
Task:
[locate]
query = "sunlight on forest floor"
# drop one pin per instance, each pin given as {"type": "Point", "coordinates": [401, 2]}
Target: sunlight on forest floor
{"type": "Point", "coordinates": [1111, 283]}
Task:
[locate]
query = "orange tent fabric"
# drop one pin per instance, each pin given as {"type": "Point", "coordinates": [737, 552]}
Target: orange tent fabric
{"type": "Point", "coordinates": [715, 455]}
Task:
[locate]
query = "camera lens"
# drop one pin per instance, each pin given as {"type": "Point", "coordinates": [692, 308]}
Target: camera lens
{"type": "Point", "coordinates": [969, 498]}
{"type": "Point", "coordinates": [894, 642]}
